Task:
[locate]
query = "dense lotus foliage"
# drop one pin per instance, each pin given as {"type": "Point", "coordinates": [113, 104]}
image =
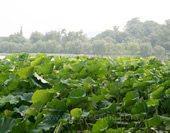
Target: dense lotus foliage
{"type": "Point", "coordinates": [46, 94]}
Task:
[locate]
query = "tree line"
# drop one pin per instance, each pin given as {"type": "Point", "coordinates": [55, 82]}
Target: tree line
{"type": "Point", "coordinates": [138, 38]}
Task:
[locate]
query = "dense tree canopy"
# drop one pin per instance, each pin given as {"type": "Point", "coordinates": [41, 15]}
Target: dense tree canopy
{"type": "Point", "coordinates": [138, 38]}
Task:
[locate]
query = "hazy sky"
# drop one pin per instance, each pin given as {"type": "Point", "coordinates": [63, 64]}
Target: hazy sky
{"type": "Point", "coordinates": [75, 15]}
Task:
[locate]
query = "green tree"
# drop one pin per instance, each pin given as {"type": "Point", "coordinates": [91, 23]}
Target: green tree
{"type": "Point", "coordinates": [151, 32]}
{"type": "Point", "coordinates": [133, 48]}
{"type": "Point", "coordinates": [134, 27]}
{"type": "Point", "coordinates": [72, 38]}
{"type": "Point", "coordinates": [36, 36]}
{"type": "Point", "coordinates": [52, 46]}
{"type": "Point", "coordinates": [99, 47]}
{"type": "Point", "coordinates": [52, 35]}
{"type": "Point", "coordinates": [120, 48]}
{"type": "Point", "coordinates": [146, 49]}
{"type": "Point", "coordinates": [164, 38]}
{"type": "Point", "coordinates": [39, 46]}
{"type": "Point", "coordinates": [104, 36]}
{"type": "Point", "coordinates": [109, 48]}
{"type": "Point", "coordinates": [166, 45]}
{"type": "Point", "coordinates": [10, 47]}
{"type": "Point", "coordinates": [17, 38]}
{"type": "Point", "coordinates": [74, 47]}
{"type": "Point", "coordinates": [114, 36]}
{"type": "Point", "coordinates": [158, 50]}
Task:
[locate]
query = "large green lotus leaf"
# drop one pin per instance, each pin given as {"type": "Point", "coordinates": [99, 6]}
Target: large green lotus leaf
{"type": "Point", "coordinates": [37, 131]}
{"type": "Point", "coordinates": [76, 67]}
{"type": "Point", "coordinates": [130, 98]}
{"type": "Point", "coordinates": [167, 92]}
{"type": "Point", "coordinates": [101, 72]}
{"type": "Point", "coordinates": [93, 67]}
{"type": "Point", "coordinates": [102, 91]}
{"type": "Point", "coordinates": [165, 118]}
{"type": "Point", "coordinates": [148, 73]}
{"type": "Point", "coordinates": [159, 93]}
{"type": "Point", "coordinates": [61, 88]}
{"type": "Point", "coordinates": [13, 84]}
{"type": "Point", "coordinates": [165, 105]}
{"type": "Point", "coordinates": [22, 109]}
{"type": "Point", "coordinates": [115, 89]}
{"type": "Point", "coordinates": [23, 84]}
{"type": "Point", "coordinates": [100, 126]}
{"type": "Point", "coordinates": [167, 82]}
{"type": "Point", "coordinates": [96, 98]}
{"type": "Point", "coordinates": [26, 97]}
{"type": "Point", "coordinates": [57, 104]}
{"type": "Point", "coordinates": [140, 107]}
{"type": "Point", "coordinates": [71, 83]}
{"type": "Point", "coordinates": [67, 81]}
{"type": "Point", "coordinates": [59, 63]}
{"type": "Point", "coordinates": [64, 118]}
{"type": "Point", "coordinates": [77, 96]}
{"type": "Point", "coordinates": [83, 73]}
{"type": "Point", "coordinates": [12, 76]}
{"type": "Point", "coordinates": [42, 95]}
{"type": "Point", "coordinates": [45, 69]}
{"type": "Point", "coordinates": [90, 106]}
{"type": "Point", "coordinates": [38, 61]}
{"type": "Point", "coordinates": [6, 124]}
{"type": "Point", "coordinates": [40, 78]}
{"type": "Point", "coordinates": [66, 68]}
{"type": "Point", "coordinates": [118, 130]}
{"type": "Point", "coordinates": [26, 72]}
{"type": "Point", "coordinates": [3, 77]}
{"type": "Point", "coordinates": [35, 108]}
{"type": "Point", "coordinates": [88, 80]}
{"type": "Point", "coordinates": [155, 121]}
{"type": "Point", "coordinates": [75, 76]}
{"type": "Point", "coordinates": [77, 93]}
{"type": "Point", "coordinates": [153, 103]}
{"type": "Point", "coordinates": [41, 83]}
{"type": "Point", "coordinates": [136, 73]}
{"type": "Point", "coordinates": [139, 84]}
{"type": "Point", "coordinates": [26, 127]}
{"type": "Point", "coordinates": [20, 127]}
{"type": "Point", "coordinates": [10, 98]}
{"type": "Point", "coordinates": [111, 107]}
{"type": "Point", "coordinates": [76, 112]}
{"type": "Point", "coordinates": [4, 67]}
{"type": "Point", "coordinates": [49, 122]}
{"type": "Point", "coordinates": [85, 114]}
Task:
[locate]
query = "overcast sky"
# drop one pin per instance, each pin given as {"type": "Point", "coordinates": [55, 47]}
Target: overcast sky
{"type": "Point", "coordinates": [75, 15]}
